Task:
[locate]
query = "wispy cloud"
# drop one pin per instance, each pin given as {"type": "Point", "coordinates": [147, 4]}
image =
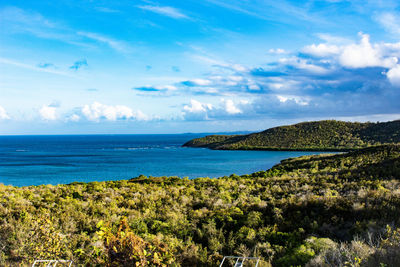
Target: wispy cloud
{"type": "Point", "coordinates": [165, 11]}
{"type": "Point", "coordinates": [31, 67]}
{"type": "Point", "coordinates": [115, 44]}
{"type": "Point", "coordinates": [16, 20]}
{"type": "Point", "coordinates": [21, 21]}
{"type": "Point", "coordinates": [390, 21]}
{"type": "Point", "coordinates": [270, 10]}
{"type": "Point", "coordinates": [106, 10]}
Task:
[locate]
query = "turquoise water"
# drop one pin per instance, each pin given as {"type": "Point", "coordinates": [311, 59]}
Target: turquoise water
{"type": "Point", "coordinates": [34, 160]}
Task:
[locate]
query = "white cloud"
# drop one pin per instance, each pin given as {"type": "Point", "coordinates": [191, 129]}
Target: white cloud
{"type": "Point", "coordinates": [16, 20]}
{"type": "Point", "coordinates": [19, 20]}
{"type": "Point", "coordinates": [196, 106]}
{"type": "Point", "coordinates": [304, 65]}
{"type": "Point", "coordinates": [201, 82]}
{"type": "Point", "coordinates": [253, 86]}
{"type": "Point", "coordinates": [169, 87]}
{"type": "Point", "coordinates": [238, 67]}
{"type": "Point", "coordinates": [277, 51]}
{"type": "Point", "coordinates": [333, 39]}
{"type": "Point", "coordinates": [321, 50]}
{"type": "Point", "coordinates": [364, 55]}
{"type": "Point", "coordinates": [230, 107]}
{"type": "Point", "coordinates": [357, 55]}
{"type": "Point", "coordinates": [74, 118]}
{"type": "Point", "coordinates": [235, 78]}
{"type": "Point", "coordinates": [394, 75]}
{"type": "Point", "coordinates": [227, 108]}
{"type": "Point", "coordinates": [196, 110]}
{"type": "Point", "coordinates": [297, 99]}
{"type": "Point", "coordinates": [140, 116]}
{"type": "Point", "coordinates": [117, 45]}
{"type": "Point", "coordinates": [48, 113]}
{"type": "Point", "coordinates": [164, 87]}
{"type": "Point", "coordinates": [3, 114]}
{"type": "Point", "coordinates": [34, 68]}
{"type": "Point", "coordinates": [166, 11]}
{"type": "Point", "coordinates": [343, 77]}
{"type": "Point", "coordinates": [98, 111]}
{"type": "Point", "coordinates": [390, 22]}
{"type": "Point", "coordinates": [210, 60]}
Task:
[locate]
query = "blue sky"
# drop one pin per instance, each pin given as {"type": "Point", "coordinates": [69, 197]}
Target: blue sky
{"type": "Point", "coordinates": [195, 66]}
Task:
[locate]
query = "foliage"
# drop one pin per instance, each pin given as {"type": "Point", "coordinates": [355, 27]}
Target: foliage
{"type": "Point", "coordinates": [125, 248]}
{"type": "Point", "coordinates": [327, 135]}
{"type": "Point", "coordinates": [299, 211]}
{"type": "Point", "coordinates": [379, 249]}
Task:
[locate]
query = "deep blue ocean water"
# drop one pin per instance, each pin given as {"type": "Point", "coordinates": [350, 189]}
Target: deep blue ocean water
{"type": "Point", "coordinates": [35, 160]}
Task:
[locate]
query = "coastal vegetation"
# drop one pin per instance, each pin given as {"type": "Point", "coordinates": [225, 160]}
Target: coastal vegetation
{"type": "Point", "coordinates": [322, 210]}
{"type": "Point", "coordinates": [329, 135]}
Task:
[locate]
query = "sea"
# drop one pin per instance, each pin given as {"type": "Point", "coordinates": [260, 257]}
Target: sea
{"type": "Point", "coordinates": [63, 159]}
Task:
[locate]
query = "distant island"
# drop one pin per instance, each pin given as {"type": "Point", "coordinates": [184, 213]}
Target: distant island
{"type": "Point", "coordinates": [327, 135]}
{"type": "Point", "coordinates": [322, 210]}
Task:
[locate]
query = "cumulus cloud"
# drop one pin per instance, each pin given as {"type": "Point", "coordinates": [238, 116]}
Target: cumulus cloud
{"type": "Point", "coordinates": [226, 109]}
{"type": "Point", "coordinates": [196, 110]}
{"type": "Point", "coordinates": [97, 111]}
{"type": "Point", "coordinates": [297, 99]}
{"type": "Point", "coordinates": [355, 55]}
{"type": "Point", "coordinates": [394, 75]}
{"type": "Point", "coordinates": [321, 50]}
{"type": "Point", "coordinates": [3, 114]}
{"type": "Point", "coordinates": [364, 55]}
{"type": "Point", "coordinates": [230, 107]}
{"type": "Point", "coordinates": [48, 113]}
{"type": "Point", "coordinates": [74, 118]}
{"type": "Point", "coordinates": [337, 77]}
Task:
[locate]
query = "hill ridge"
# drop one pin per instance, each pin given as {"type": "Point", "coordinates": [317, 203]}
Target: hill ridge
{"type": "Point", "coordinates": [327, 135]}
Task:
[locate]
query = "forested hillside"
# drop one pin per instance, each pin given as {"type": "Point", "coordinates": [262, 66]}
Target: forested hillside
{"type": "Point", "coordinates": [319, 135]}
{"type": "Point", "coordinates": [317, 210]}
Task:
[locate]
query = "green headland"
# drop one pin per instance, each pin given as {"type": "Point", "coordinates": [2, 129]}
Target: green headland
{"type": "Point", "coordinates": [329, 135]}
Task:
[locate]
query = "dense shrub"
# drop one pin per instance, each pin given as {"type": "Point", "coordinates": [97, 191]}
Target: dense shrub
{"type": "Point", "coordinates": [307, 209]}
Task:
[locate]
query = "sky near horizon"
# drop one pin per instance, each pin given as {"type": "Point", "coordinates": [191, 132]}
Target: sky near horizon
{"type": "Point", "coordinates": [95, 67]}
